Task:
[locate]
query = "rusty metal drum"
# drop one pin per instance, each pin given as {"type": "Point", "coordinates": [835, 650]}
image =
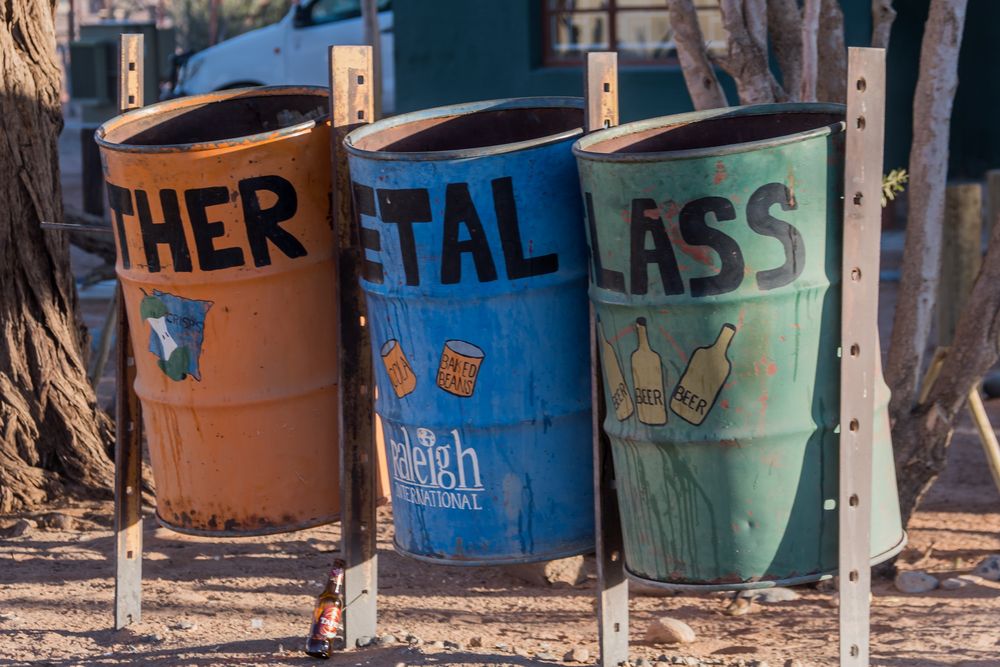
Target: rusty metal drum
{"type": "Point", "coordinates": [221, 211]}
{"type": "Point", "coordinates": [476, 284]}
{"type": "Point", "coordinates": [715, 242]}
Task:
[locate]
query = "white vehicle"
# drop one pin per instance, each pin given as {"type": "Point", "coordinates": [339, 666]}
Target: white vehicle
{"type": "Point", "coordinates": [292, 51]}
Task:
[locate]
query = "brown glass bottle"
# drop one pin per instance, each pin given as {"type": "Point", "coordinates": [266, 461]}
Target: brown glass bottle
{"type": "Point", "coordinates": [328, 617]}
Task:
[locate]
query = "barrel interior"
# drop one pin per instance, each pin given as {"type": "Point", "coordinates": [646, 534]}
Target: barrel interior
{"type": "Point", "coordinates": [490, 127]}
{"type": "Point", "coordinates": [724, 130]}
{"type": "Point", "coordinates": [220, 120]}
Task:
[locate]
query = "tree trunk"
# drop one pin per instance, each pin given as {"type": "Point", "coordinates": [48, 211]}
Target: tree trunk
{"type": "Point", "coordinates": [883, 16]}
{"type": "Point", "coordinates": [810, 53]}
{"type": "Point", "coordinates": [784, 25]}
{"type": "Point", "coordinates": [52, 436]}
{"type": "Point", "coordinates": [699, 75]}
{"type": "Point", "coordinates": [922, 435]}
{"type": "Point", "coordinates": [932, 105]}
{"type": "Point", "coordinates": [746, 60]}
{"type": "Point", "coordinates": [831, 80]}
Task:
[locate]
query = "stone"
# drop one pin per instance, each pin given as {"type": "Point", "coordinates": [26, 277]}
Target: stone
{"type": "Point", "coordinates": [437, 644]}
{"type": "Point", "coordinates": [989, 568]}
{"type": "Point", "coordinates": [183, 625]}
{"type": "Point", "coordinates": [794, 662]}
{"type": "Point", "coordinates": [579, 654]}
{"type": "Point", "coordinates": [501, 646]}
{"type": "Point", "coordinates": [961, 581]}
{"type": "Point", "coordinates": [7, 616]}
{"type": "Point", "coordinates": [455, 646]}
{"type": "Point", "coordinates": [386, 640]}
{"type": "Point", "coordinates": [544, 656]}
{"type": "Point", "coordinates": [414, 640]}
{"type": "Point", "coordinates": [915, 581]}
{"type": "Point", "coordinates": [642, 662]}
{"type": "Point", "coordinates": [692, 661]}
{"type": "Point", "coordinates": [677, 660]}
{"type": "Point", "coordinates": [476, 642]}
{"type": "Point", "coordinates": [666, 630]}
{"type": "Point", "coordinates": [257, 623]}
{"type": "Point", "coordinates": [739, 606]}
{"type": "Point", "coordinates": [571, 571]}
{"type": "Point", "coordinates": [365, 640]}
{"type": "Point", "coordinates": [20, 528]}
{"type": "Point", "coordinates": [771, 595]}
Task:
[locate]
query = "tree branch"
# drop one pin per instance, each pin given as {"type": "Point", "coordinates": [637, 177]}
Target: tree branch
{"type": "Point", "coordinates": [784, 25]}
{"type": "Point", "coordinates": [810, 58]}
{"type": "Point", "coordinates": [932, 105]}
{"type": "Point", "coordinates": [831, 81]}
{"type": "Point", "coordinates": [922, 436]}
{"type": "Point", "coordinates": [746, 60]}
{"type": "Point", "coordinates": [882, 17]}
{"type": "Point", "coordinates": [699, 75]}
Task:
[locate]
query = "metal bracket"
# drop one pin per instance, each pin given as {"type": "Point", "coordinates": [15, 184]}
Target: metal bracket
{"type": "Point", "coordinates": [601, 93]}
{"type": "Point", "coordinates": [859, 343]}
{"type": "Point", "coordinates": [351, 105]}
{"type": "Point", "coordinates": [128, 426]}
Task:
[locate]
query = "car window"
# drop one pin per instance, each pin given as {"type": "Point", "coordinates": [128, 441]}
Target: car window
{"type": "Point", "coordinates": [327, 11]}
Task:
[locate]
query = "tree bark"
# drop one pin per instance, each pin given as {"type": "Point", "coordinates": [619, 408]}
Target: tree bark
{"type": "Point", "coordinates": [921, 436]}
{"type": "Point", "coordinates": [831, 79]}
{"type": "Point", "coordinates": [932, 105]}
{"type": "Point", "coordinates": [52, 436]}
{"type": "Point", "coordinates": [699, 75]}
{"type": "Point", "coordinates": [784, 25]}
{"type": "Point", "coordinates": [883, 16]}
{"type": "Point", "coordinates": [746, 60]}
{"type": "Point", "coordinates": [810, 54]}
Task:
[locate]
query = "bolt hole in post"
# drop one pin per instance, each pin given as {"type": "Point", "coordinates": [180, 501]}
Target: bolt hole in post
{"type": "Point", "coordinates": [607, 87]}
{"type": "Point", "coordinates": [855, 350]}
{"type": "Point", "coordinates": [361, 114]}
{"type": "Point", "coordinates": [855, 651]}
{"type": "Point", "coordinates": [854, 500]}
{"type": "Point", "coordinates": [856, 274]}
{"type": "Point", "coordinates": [853, 576]}
{"type": "Point", "coordinates": [854, 426]}
{"type": "Point", "coordinates": [614, 556]}
{"type": "Point", "coordinates": [361, 79]}
{"type": "Point", "coordinates": [862, 84]}
{"type": "Point", "coordinates": [858, 198]}
{"type": "Point", "coordinates": [861, 122]}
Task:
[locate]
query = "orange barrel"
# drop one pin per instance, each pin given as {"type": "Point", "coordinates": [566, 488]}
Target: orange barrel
{"type": "Point", "coordinates": [221, 210]}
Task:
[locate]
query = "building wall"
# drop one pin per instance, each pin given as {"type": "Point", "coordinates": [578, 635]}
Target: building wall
{"type": "Point", "coordinates": [451, 51]}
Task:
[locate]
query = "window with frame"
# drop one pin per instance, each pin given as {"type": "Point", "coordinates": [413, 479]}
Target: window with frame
{"type": "Point", "coordinates": [639, 30]}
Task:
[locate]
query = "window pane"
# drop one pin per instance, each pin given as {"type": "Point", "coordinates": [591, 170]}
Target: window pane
{"type": "Point", "coordinates": [570, 5]}
{"type": "Point", "coordinates": [325, 11]}
{"type": "Point", "coordinates": [644, 35]}
{"type": "Point", "coordinates": [572, 35]}
{"type": "Point", "coordinates": [640, 3]}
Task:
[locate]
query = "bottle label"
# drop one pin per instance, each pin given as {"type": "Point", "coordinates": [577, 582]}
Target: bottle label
{"type": "Point", "coordinates": [329, 624]}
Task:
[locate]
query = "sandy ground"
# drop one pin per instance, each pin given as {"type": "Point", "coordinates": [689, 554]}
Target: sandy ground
{"type": "Point", "coordinates": [248, 601]}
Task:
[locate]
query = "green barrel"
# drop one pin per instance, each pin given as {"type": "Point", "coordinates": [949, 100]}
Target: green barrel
{"type": "Point", "coordinates": [715, 242]}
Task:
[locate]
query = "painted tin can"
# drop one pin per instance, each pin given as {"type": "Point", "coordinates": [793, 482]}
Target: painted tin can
{"type": "Point", "coordinates": [476, 288]}
{"type": "Point", "coordinates": [715, 242]}
{"type": "Point", "coordinates": [221, 210]}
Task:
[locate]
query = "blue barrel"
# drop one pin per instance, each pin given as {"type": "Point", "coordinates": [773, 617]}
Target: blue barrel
{"type": "Point", "coordinates": [476, 282]}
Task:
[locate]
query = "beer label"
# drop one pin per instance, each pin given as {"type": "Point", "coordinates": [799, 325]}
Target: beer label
{"type": "Point", "coordinates": [329, 624]}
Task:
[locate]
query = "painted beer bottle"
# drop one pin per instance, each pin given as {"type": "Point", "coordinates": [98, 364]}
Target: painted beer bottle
{"type": "Point", "coordinates": [703, 378]}
{"type": "Point", "coordinates": [621, 400]}
{"type": "Point", "coordinates": [647, 376]}
{"type": "Point", "coordinates": [328, 618]}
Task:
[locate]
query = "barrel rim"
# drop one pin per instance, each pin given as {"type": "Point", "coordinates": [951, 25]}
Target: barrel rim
{"type": "Point", "coordinates": [465, 108]}
{"type": "Point", "coordinates": [581, 146]}
{"type": "Point", "coordinates": [208, 98]}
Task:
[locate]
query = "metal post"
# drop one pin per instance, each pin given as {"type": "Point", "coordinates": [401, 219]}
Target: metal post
{"type": "Point", "coordinates": [128, 429]}
{"type": "Point", "coordinates": [351, 105]}
{"type": "Point", "coordinates": [373, 38]}
{"type": "Point", "coordinates": [859, 343]}
{"type": "Point", "coordinates": [612, 587]}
